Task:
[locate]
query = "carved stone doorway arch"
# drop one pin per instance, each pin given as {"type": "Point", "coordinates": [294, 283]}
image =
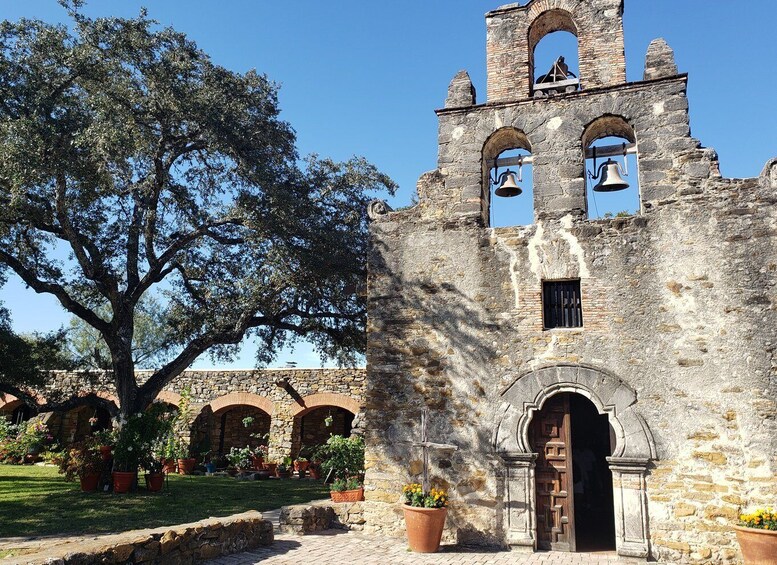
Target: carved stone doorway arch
{"type": "Point", "coordinates": [633, 451]}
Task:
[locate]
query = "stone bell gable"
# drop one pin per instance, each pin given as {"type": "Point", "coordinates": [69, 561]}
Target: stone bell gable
{"type": "Point", "coordinates": [675, 349]}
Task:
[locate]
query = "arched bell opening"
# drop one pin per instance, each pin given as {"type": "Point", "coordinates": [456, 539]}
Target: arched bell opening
{"type": "Point", "coordinates": [574, 486]}
{"type": "Point", "coordinates": [611, 168]}
{"type": "Point", "coordinates": [508, 177]}
{"type": "Point", "coordinates": [554, 59]}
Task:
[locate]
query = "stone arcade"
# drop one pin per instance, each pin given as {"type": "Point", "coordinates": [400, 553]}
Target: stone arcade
{"type": "Point", "coordinates": [648, 427]}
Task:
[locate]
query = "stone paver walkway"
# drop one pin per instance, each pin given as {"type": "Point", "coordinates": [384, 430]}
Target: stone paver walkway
{"type": "Point", "coordinates": [355, 548]}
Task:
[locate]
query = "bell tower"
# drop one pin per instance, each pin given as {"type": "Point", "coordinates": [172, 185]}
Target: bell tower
{"type": "Point", "coordinates": [513, 32]}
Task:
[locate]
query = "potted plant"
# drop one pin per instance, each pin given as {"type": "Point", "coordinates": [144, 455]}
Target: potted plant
{"type": "Point", "coordinates": [314, 468]}
{"type": "Point", "coordinates": [301, 464]}
{"type": "Point", "coordinates": [343, 458]}
{"type": "Point", "coordinates": [83, 462]}
{"type": "Point", "coordinates": [126, 459]}
{"type": "Point", "coordinates": [210, 466]}
{"type": "Point", "coordinates": [757, 536]}
{"type": "Point", "coordinates": [257, 457]}
{"type": "Point", "coordinates": [155, 478]}
{"type": "Point", "coordinates": [424, 517]}
{"type": "Point", "coordinates": [105, 440]}
{"type": "Point", "coordinates": [283, 470]}
{"type": "Point", "coordinates": [346, 490]}
{"type": "Point", "coordinates": [167, 454]}
{"type": "Point", "coordinates": [135, 441]}
{"type": "Point", "coordinates": [240, 458]}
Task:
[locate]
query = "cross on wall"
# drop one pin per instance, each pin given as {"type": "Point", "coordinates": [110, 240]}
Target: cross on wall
{"type": "Point", "coordinates": [426, 445]}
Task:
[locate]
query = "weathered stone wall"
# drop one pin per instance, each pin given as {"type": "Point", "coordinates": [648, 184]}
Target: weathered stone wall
{"type": "Point", "coordinates": [679, 305]}
{"type": "Point", "coordinates": [685, 314]}
{"type": "Point", "coordinates": [234, 393]}
{"type": "Point", "coordinates": [185, 544]}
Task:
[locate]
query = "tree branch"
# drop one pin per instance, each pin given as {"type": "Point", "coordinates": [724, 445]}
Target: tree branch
{"type": "Point", "coordinates": [68, 302]}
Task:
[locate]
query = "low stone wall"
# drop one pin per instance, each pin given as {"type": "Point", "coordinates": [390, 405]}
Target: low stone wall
{"type": "Point", "coordinates": [183, 544]}
{"type": "Point", "coordinates": [302, 519]}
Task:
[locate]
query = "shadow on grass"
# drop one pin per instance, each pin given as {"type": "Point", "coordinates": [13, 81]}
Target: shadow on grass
{"type": "Point", "coordinates": [40, 502]}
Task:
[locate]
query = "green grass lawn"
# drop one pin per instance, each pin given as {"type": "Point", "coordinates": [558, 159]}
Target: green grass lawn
{"type": "Point", "coordinates": [38, 501]}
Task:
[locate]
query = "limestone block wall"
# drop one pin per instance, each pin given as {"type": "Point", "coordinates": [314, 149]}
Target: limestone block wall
{"type": "Point", "coordinates": [277, 398]}
{"type": "Point", "coordinates": [679, 304]}
{"type": "Point", "coordinates": [671, 162]}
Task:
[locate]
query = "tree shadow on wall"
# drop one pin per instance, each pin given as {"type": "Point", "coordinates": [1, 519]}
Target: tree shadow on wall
{"type": "Point", "coordinates": [431, 344]}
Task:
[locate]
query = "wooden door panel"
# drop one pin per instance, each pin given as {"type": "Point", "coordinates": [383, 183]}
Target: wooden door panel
{"type": "Point", "coordinates": [553, 476]}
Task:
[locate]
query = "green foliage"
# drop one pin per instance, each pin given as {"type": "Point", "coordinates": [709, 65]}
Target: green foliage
{"type": "Point", "coordinates": [138, 437]}
{"type": "Point", "coordinates": [343, 456]}
{"type": "Point", "coordinates": [26, 359]}
{"type": "Point", "coordinates": [34, 495]}
{"type": "Point", "coordinates": [151, 347]}
{"type": "Point", "coordinates": [240, 457]}
{"type": "Point", "coordinates": [351, 483]}
{"type": "Point", "coordinates": [164, 174]}
{"type": "Point", "coordinates": [31, 437]}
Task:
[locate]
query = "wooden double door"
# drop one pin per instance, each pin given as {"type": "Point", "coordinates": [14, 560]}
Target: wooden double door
{"type": "Point", "coordinates": [574, 483]}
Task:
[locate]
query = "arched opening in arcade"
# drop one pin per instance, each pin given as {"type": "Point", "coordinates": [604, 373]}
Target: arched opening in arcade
{"type": "Point", "coordinates": [240, 425]}
{"type": "Point", "coordinates": [314, 427]}
{"type": "Point", "coordinates": [78, 423]}
{"type": "Point", "coordinates": [574, 487]}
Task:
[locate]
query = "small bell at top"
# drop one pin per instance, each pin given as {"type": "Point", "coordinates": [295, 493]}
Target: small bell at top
{"type": "Point", "coordinates": [611, 179]}
{"type": "Point", "coordinates": [509, 186]}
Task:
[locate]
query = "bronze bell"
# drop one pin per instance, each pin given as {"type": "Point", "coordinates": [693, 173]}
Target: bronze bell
{"type": "Point", "coordinates": [509, 186]}
{"type": "Point", "coordinates": [611, 179]}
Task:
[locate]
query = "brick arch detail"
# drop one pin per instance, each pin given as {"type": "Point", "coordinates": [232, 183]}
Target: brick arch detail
{"type": "Point", "coordinates": [313, 401]}
{"type": "Point", "coordinates": [242, 399]}
{"type": "Point", "coordinates": [9, 403]}
{"type": "Point", "coordinates": [169, 397]}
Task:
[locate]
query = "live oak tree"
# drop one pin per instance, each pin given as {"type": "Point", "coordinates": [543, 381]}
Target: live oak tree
{"type": "Point", "coordinates": [131, 164]}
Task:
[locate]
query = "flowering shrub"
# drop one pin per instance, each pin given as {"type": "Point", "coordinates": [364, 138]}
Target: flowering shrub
{"type": "Point", "coordinates": [240, 457]}
{"type": "Point", "coordinates": [30, 437]}
{"type": "Point", "coordinates": [80, 460]}
{"type": "Point", "coordinates": [414, 495]}
{"type": "Point", "coordinates": [138, 436]}
{"type": "Point", "coordinates": [761, 519]}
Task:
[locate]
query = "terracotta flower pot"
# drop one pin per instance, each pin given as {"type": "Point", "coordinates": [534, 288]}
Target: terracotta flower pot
{"type": "Point", "coordinates": [315, 473]}
{"type": "Point", "coordinates": [424, 528]}
{"type": "Point", "coordinates": [355, 495]}
{"type": "Point", "coordinates": [759, 547]}
{"type": "Point", "coordinates": [186, 466]}
{"type": "Point", "coordinates": [272, 467]}
{"type": "Point", "coordinates": [122, 480]}
{"type": "Point", "coordinates": [301, 465]}
{"type": "Point", "coordinates": [89, 482]}
{"type": "Point", "coordinates": [155, 481]}
{"type": "Point", "coordinates": [169, 466]}
{"type": "Point", "coordinates": [105, 451]}
{"type": "Point", "coordinates": [258, 462]}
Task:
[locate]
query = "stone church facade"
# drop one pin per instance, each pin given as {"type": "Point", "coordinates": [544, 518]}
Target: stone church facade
{"type": "Point", "coordinates": [662, 399]}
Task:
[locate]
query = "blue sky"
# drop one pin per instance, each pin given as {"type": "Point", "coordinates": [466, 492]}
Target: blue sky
{"type": "Point", "coordinates": [364, 78]}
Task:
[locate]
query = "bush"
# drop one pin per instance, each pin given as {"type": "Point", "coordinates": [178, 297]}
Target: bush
{"type": "Point", "coordinates": [80, 460]}
{"type": "Point", "coordinates": [343, 457]}
{"type": "Point", "coordinates": [30, 437]}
